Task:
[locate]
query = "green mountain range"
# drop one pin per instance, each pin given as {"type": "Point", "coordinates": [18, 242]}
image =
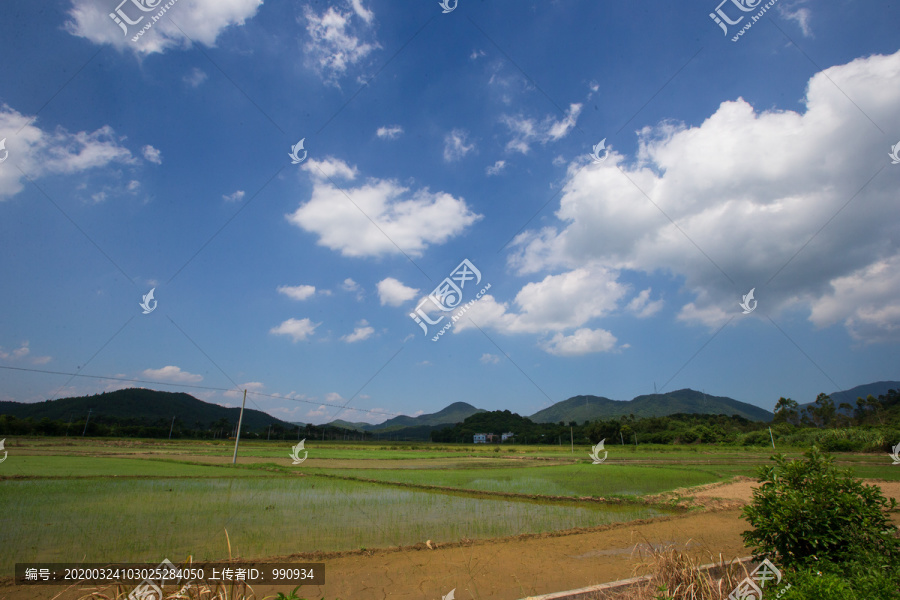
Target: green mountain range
{"type": "Point", "coordinates": [876, 389]}
{"type": "Point", "coordinates": [140, 405]}
{"type": "Point", "coordinates": [687, 401]}
{"type": "Point", "coordinates": [149, 406]}
{"type": "Point", "coordinates": [454, 413]}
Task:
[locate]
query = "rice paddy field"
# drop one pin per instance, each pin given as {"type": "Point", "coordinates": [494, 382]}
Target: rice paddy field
{"type": "Point", "coordinates": [73, 500]}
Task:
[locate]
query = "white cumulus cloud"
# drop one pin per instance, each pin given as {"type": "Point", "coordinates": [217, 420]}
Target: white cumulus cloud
{"type": "Point", "coordinates": [526, 131]}
{"type": "Point", "coordinates": [234, 197]}
{"type": "Point", "coordinates": [761, 199]}
{"type": "Point", "coordinates": [378, 217]}
{"type": "Point", "coordinates": [582, 341]}
{"type": "Point", "coordinates": [362, 332]}
{"type": "Point", "coordinates": [297, 329]}
{"type": "Point", "coordinates": [496, 168]}
{"type": "Point", "coordinates": [152, 154]}
{"type": "Point", "coordinates": [200, 20]}
{"type": "Point", "coordinates": [334, 40]}
{"type": "Point", "coordinates": [455, 146]}
{"type": "Point", "coordinates": [393, 293]}
{"type": "Point", "coordinates": [297, 292]}
{"type": "Point", "coordinates": [172, 374]}
{"type": "Point", "coordinates": [391, 132]}
{"type": "Point", "coordinates": [38, 152]}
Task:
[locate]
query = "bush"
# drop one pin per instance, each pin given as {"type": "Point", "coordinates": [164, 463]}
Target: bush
{"type": "Point", "coordinates": [809, 510]}
{"type": "Point", "coordinates": [852, 582]}
{"type": "Point", "coordinates": [757, 438]}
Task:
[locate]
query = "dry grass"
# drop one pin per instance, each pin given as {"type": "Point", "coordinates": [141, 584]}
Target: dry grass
{"type": "Point", "coordinates": [675, 575]}
{"type": "Point", "coordinates": [189, 592]}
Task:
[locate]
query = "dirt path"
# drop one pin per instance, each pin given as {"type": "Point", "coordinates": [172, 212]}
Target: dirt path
{"type": "Point", "coordinates": [510, 569]}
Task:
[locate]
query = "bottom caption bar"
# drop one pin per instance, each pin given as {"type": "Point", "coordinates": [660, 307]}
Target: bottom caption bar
{"type": "Point", "coordinates": [154, 577]}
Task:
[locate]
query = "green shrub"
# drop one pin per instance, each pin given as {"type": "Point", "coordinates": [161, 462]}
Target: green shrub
{"type": "Point", "coordinates": [809, 510]}
{"type": "Point", "coordinates": [853, 582]}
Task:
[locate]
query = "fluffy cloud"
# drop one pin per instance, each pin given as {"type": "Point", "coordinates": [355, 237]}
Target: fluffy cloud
{"type": "Point", "coordinates": [20, 352]}
{"type": "Point", "coordinates": [391, 133]}
{"type": "Point", "coordinates": [297, 292]}
{"type": "Point", "coordinates": [234, 197]}
{"type": "Point", "coordinates": [393, 293]}
{"type": "Point", "coordinates": [172, 374]}
{"type": "Point", "coordinates": [583, 341]}
{"type": "Point", "coordinates": [378, 217]}
{"type": "Point", "coordinates": [528, 131]}
{"type": "Point", "coordinates": [362, 332]}
{"type": "Point", "coordinates": [556, 303]}
{"type": "Point", "coordinates": [867, 302]}
{"type": "Point", "coordinates": [777, 200]}
{"type": "Point", "coordinates": [800, 16]}
{"type": "Point", "coordinates": [297, 329]}
{"type": "Point", "coordinates": [152, 154]}
{"type": "Point", "coordinates": [496, 168]}
{"type": "Point", "coordinates": [455, 146]}
{"type": "Point", "coordinates": [37, 152]}
{"type": "Point", "coordinates": [334, 43]}
{"type": "Point", "coordinates": [201, 20]}
{"type": "Point", "coordinates": [642, 306]}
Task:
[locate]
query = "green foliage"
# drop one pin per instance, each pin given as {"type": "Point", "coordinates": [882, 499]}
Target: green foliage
{"type": "Point", "coordinates": [866, 579]}
{"type": "Point", "coordinates": [809, 510]}
{"type": "Point", "coordinates": [293, 595]}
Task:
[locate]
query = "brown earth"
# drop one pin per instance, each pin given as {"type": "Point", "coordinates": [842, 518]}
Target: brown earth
{"type": "Point", "coordinates": [513, 568]}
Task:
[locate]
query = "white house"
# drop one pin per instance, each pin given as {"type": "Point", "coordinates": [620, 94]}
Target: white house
{"type": "Point", "coordinates": [480, 438]}
{"type": "Point", "coordinates": [507, 436]}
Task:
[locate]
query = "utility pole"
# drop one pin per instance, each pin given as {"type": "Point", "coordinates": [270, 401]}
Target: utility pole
{"type": "Point", "coordinates": [171, 427]}
{"type": "Point", "coordinates": [86, 422]}
{"type": "Point", "coordinates": [237, 439]}
{"type": "Point", "coordinates": [572, 438]}
{"type": "Point", "coordinates": [269, 435]}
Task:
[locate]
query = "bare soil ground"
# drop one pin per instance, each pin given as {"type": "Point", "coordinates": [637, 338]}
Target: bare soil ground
{"type": "Point", "coordinates": [513, 568]}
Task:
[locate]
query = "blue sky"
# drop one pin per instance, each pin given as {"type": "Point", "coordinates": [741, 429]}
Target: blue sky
{"type": "Point", "coordinates": [433, 137]}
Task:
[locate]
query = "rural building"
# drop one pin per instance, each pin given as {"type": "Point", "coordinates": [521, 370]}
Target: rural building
{"type": "Point", "coordinates": [507, 436]}
{"type": "Point", "coordinates": [481, 438]}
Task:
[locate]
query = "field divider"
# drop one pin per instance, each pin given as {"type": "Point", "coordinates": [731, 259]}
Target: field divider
{"type": "Point", "coordinates": [511, 495]}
